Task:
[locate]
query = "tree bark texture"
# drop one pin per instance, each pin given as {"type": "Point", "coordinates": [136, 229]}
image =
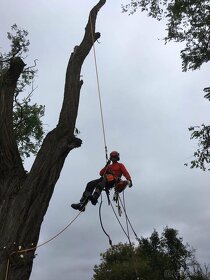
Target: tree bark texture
{"type": "Point", "coordinates": [24, 197]}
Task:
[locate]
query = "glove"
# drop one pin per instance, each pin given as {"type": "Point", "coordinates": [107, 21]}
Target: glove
{"type": "Point", "coordinates": [130, 183]}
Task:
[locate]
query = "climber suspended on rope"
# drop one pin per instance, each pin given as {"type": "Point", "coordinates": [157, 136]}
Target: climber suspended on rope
{"type": "Point", "coordinates": [110, 177]}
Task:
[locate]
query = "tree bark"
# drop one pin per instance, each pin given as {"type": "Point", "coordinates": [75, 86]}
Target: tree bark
{"type": "Point", "coordinates": [24, 197]}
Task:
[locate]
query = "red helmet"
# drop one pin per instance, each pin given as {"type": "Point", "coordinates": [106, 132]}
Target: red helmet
{"type": "Point", "coordinates": [115, 155]}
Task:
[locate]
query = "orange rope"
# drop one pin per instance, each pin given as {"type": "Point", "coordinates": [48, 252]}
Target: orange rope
{"type": "Point", "coordinates": [49, 240]}
{"type": "Point", "coordinates": [38, 246]}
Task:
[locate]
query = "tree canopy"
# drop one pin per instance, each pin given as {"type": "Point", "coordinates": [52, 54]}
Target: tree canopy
{"type": "Point", "coordinates": [158, 257]}
{"type": "Point", "coordinates": [186, 21]}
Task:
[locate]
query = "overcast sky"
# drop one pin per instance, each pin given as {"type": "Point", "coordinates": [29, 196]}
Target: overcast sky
{"type": "Point", "coordinates": [148, 105]}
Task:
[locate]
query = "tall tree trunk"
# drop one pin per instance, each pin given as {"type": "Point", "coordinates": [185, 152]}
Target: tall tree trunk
{"type": "Point", "coordinates": [24, 197]}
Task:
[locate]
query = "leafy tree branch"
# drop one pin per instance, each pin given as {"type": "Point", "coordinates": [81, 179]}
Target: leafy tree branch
{"type": "Point", "coordinates": [158, 257]}
{"type": "Point", "coordinates": [187, 22]}
{"type": "Point", "coordinates": [27, 124]}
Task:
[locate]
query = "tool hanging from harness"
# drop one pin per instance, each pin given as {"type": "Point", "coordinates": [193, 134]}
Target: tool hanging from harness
{"type": "Point", "coordinates": [110, 181]}
{"type": "Point", "coordinates": [118, 185]}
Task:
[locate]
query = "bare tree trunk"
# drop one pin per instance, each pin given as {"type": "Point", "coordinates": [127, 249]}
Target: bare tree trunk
{"type": "Point", "coordinates": [24, 197]}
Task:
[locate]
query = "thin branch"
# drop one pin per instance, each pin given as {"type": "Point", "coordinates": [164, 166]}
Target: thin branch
{"type": "Point", "coordinates": [26, 69]}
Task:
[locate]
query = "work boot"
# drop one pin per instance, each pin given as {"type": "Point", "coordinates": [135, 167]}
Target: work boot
{"type": "Point", "coordinates": [83, 201]}
{"type": "Point", "coordinates": [79, 206]}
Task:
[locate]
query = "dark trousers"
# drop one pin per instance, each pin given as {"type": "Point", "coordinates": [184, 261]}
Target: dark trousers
{"type": "Point", "coordinates": [95, 187]}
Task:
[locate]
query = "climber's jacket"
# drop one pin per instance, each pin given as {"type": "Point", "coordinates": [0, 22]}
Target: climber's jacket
{"type": "Point", "coordinates": [116, 169]}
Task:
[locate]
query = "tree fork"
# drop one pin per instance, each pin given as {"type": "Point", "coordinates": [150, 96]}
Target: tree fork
{"type": "Point", "coordinates": [23, 208]}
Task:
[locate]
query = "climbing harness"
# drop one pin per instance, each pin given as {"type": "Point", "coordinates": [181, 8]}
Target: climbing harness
{"type": "Point", "coordinates": [121, 208]}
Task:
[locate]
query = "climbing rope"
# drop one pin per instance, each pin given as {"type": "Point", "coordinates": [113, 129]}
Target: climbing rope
{"type": "Point", "coordinates": [38, 246]}
{"type": "Point", "coordinates": [128, 222]}
{"type": "Point", "coordinates": [110, 241]}
{"type": "Point", "coordinates": [127, 218]}
{"type": "Point", "coordinates": [133, 258]}
{"type": "Point", "coordinates": [99, 91]}
{"type": "Point", "coordinates": [104, 137]}
{"type": "Point", "coordinates": [120, 223]}
{"type": "Point", "coordinates": [104, 134]}
{"type": "Point", "coordinates": [105, 146]}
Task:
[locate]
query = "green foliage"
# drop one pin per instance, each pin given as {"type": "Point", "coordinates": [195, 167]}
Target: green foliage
{"type": "Point", "coordinates": [27, 124]}
{"type": "Point", "coordinates": [116, 264]}
{"type": "Point", "coordinates": [207, 93]}
{"type": "Point", "coordinates": [187, 21]}
{"type": "Point", "coordinates": [202, 155]}
{"type": "Point", "coordinates": [28, 127]}
{"type": "Point", "coordinates": [19, 42]}
{"type": "Point", "coordinates": [157, 258]}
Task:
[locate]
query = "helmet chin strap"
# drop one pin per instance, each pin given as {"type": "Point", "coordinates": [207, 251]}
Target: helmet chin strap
{"type": "Point", "coordinates": [115, 159]}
